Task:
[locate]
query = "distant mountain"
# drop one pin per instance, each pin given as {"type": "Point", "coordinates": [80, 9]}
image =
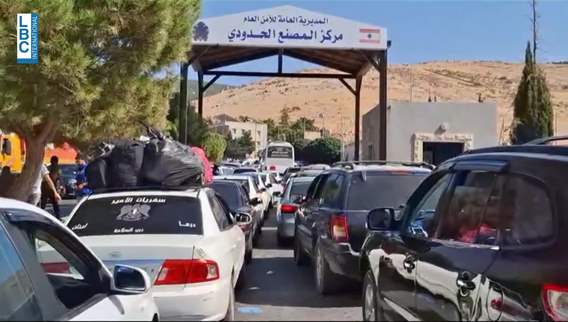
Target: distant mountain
{"type": "Point", "coordinates": [331, 105]}
{"type": "Point", "coordinates": [212, 90]}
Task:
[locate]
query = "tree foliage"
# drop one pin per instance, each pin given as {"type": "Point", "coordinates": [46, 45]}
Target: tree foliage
{"type": "Point", "coordinates": [240, 147]}
{"type": "Point", "coordinates": [95, 76]}
{"type": "Point", "coordinates": [214, 145]}
{"type": "Point", "coordinates": [325, 150]}
{"type": "Point", "coordinates": [533, 115]}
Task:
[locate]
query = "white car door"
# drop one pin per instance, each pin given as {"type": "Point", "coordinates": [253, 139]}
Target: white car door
{"type": "Point", "coordinates": [76, 278]}
{"type": "Point", "coordinates": [231, 234]}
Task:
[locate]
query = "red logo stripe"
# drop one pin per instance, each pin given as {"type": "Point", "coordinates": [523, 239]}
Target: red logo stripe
{"type": "Point", "coordinates": [370, 30]}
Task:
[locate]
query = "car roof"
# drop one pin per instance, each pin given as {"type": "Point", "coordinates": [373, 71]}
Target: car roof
{"type": "Point", "coordinates": [521, 149]}
{"type": "Point", "coordinates": [226, 183]}
{"type": "Point", "coordinates": [192, 192]}
{"type": "Point", "coordinates": [6, 203]}
{"type": "Point", "coordinates": [383, 166]}
{"type": "Point", "coordinates": [302, 179]}
{"type": "Point", "coordinates": [239, 176]}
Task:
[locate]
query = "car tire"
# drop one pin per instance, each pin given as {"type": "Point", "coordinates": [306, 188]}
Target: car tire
{"type": "Point", "coordinates": [230, 314]}
{"type": "Point", "coordinates": [300, 257]}
{"type": "Point", "coordinates": [370, 306]}
{"type": "Point", "coordinates": [327, 282]}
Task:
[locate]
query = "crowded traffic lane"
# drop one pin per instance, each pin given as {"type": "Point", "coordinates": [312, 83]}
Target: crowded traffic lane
{"type": "Point", "coordinates": [276, 289]}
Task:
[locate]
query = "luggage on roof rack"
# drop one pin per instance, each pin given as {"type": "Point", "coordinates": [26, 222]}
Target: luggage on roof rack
{"type": "Point", "coordinates": [159, 161]}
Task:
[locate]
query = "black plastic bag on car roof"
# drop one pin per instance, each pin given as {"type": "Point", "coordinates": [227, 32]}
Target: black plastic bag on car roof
{"type": "Point", "coordinates": [170, 163]}
{"type": "Point", "coordinates": [126, 159]}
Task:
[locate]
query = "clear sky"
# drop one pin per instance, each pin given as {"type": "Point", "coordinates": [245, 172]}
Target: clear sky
{"type": "Point", "coordinates": [432, 30]}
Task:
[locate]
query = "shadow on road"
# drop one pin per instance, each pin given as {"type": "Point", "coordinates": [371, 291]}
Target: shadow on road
{"type": "Point", "coordinates": [278, 281]}
{"type": "Point", "coordinates": [274, 279]}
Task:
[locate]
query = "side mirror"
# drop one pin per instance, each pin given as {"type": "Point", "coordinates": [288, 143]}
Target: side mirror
{"type": "Point", "coordinates": [255, 201]}
{"type": "Point", "coordinates": [6, 147]}
{"type": "Point", "coordinates": [277, 193]}
{"type": "Point", "coordinates": [130, 280]}
{"type": "Point", "coordinates": [262, 189]}
{"type": "Point", "coordinates": [380, 219]}
{"type": "Point", "coordinates": [244, 219]}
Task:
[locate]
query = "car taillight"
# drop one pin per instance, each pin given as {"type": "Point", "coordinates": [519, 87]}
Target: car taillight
{"type": "Point", "coordinates": [55, 268]}
{"type": "Point", "coordinates": [272, 168]}
{"type": "Point", "coordinates": [555, 300]}
{"type": "Point", "coordinates": [288, 208]}
{"type": "Point", "coordinates": [339, 229]}
{"type": "Point", "coordinates": [180, 271]}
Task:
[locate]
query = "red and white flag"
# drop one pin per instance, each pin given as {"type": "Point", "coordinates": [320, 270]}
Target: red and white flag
{"type": "Point", "coordinates": [370, 35]}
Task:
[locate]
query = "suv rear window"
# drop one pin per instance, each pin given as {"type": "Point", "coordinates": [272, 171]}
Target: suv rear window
{"type": "Point", "coordinates": [127, 215]}
{"type": "Point", "coordinates": [381, 189]}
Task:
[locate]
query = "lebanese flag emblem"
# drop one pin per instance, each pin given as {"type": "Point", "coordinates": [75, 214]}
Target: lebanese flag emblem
{"type": "Point", "coordinates": [370, 35]}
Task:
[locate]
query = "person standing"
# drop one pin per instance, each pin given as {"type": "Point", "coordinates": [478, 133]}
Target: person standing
{"type": "Point", "coordinates": [35, 195]}
{"type": "Point", "coordinates": [49, 187]}
{"type": "Point", "coordinates": [81, 177]}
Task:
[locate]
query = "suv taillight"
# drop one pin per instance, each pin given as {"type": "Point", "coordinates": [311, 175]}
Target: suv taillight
{"type": "Point", "coordinates": [338, 228]}
{"type": "Point", "coordinates": [181, 271]}
{"type": "Point", "coordinates": [272, 168]}
{"type": "Point", "coordinates": [288, 208]}
{"type": "Point", "coordinates": [555, 300]}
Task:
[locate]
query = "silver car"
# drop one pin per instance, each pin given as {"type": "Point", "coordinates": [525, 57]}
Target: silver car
{"type": "Point", "coordinates": [295, 189]}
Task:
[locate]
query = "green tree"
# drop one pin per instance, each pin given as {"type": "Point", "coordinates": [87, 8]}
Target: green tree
{"type": "Point", "coordinates": [533, 115]}
{"type": "Point", "coordinates": [247, 143]}
{"type": "Point", "coordinates": [215, 145]}
{"type": "Point", "coordinates": [95, 76]}
{"type": "Point", "coordinates": [326, 150]}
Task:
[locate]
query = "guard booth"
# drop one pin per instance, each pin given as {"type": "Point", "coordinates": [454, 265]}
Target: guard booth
{"type": "Point", "coordinates": [348, 47]}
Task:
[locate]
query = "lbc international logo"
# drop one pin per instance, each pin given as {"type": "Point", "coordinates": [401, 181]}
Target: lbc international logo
{"type": "Point", "coordinates": [27, 38]}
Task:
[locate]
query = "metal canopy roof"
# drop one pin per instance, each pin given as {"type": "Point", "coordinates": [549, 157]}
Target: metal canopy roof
{"type": "Point", "coordinates": [344, 60]}
{"type": "Point", "coordinates": [347, 46]}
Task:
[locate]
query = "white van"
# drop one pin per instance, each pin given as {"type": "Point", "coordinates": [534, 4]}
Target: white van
{"type": "Point", "coordinates": [278, 156]}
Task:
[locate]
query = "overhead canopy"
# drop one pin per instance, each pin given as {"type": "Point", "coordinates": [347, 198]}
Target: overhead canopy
{"type": "Point", "coordinates": [347, 46]}
{"type": "Point", "coordinates": [325, 40]}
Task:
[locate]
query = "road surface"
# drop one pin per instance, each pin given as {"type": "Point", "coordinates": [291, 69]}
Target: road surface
{"type": "Point", "coordinates": [278, 290]}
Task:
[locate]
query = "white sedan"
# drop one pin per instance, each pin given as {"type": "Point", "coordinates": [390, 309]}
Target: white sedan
{"type": "Point", "coordinates": [186, 240]}
{"type": "Point", "coordinates": [47, 273]}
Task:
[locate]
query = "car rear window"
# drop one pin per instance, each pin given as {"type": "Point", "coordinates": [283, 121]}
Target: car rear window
{"type": "Point", "coordinates": [380, 189]}
{"type": "Point", "coordinates": [299, 189]}
{"type": "Point", "coordinates": [229, 194]}
{"type": "Point", "coordinates": [135, 215]}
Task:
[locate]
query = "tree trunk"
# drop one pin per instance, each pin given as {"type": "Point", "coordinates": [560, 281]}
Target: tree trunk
{"type": "Point", "coordinates": [21, 187]}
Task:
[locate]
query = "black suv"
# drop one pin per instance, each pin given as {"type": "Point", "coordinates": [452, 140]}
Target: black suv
{"type": "Point", "coordinates": [480, 239]}
{"type": "Point", "coordinates": [330, 224]}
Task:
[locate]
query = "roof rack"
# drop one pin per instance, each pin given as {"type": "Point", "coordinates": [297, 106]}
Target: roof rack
{"type": "Point", "coordinates": [351, 164]}
{"type": "Point", "coordinates": [145, 188]}
{"type": "Point", "coordinates": [547, 140]}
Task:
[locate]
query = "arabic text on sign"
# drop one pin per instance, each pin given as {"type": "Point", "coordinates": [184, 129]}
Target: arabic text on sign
{"type": "Point", "coordinates": [305, 21]}
{"type": "Point", "coordinates": [323, 36]}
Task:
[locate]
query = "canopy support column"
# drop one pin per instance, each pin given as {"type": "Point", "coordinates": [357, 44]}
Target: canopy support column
{"type": "Point", "coordinates": [182, 108]}
{"type": "Point", "coordinates": [358, 82]}
{"type": "Point", "coordinates": [383, 106]}
{"type": "Point", "coordinates": [200, 90]}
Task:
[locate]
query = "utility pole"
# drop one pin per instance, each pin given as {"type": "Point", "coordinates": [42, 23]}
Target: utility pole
{"type": "Point", "coordinates": [534, 28]}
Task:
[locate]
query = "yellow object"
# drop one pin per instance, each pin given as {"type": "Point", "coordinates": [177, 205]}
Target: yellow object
{"type": "Point", "coordinates": [15, 160]}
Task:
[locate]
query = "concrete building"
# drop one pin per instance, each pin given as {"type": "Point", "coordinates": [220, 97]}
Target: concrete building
{"type": "Point", "coordinates": [258, 131]}
{"type": "Point", "coordinates": [430, 132]}
{"type": "Point", "coordinates": [312, 135]}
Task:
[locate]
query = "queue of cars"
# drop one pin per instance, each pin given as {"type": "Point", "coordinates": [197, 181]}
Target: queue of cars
{"type": "Point", "coordinates": [478, 238]}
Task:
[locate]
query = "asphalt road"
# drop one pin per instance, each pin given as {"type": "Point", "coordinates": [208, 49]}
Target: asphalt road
{"type": "Point", "coordinates": [275, 289]}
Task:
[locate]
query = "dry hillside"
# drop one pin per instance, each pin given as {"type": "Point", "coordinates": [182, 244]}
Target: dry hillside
{"type": "Point", "coordinates": [446, 81]}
